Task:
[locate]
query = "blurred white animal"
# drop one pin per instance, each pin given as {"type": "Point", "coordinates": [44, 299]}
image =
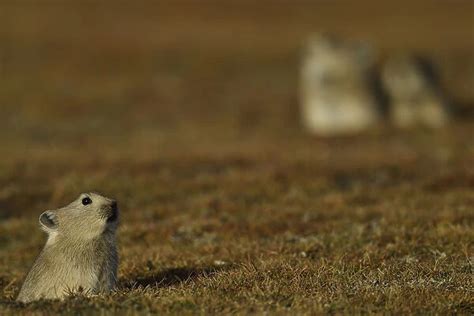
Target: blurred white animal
{"type": "Point", "coordinates": [336, 91]}
{"type": "Point", "coordinates": [415, 98]}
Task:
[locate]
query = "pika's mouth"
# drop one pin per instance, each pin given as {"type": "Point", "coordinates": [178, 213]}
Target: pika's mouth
{"type": "Point", "coordinates": [112, 213]}
{"type": "Point", "coordinates": [112, 217]}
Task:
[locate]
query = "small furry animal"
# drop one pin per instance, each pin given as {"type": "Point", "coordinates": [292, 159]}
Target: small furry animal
{"type": "Point", "coordinates": [336, 88]}
{"type": "Point", "coordinates": [415, 98]}
{"type": "Point", "coordinates": [80, 254]}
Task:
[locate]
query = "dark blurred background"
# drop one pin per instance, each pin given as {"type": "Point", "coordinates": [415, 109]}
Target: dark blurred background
{"type": "Point", "coordinates": [81, 72]}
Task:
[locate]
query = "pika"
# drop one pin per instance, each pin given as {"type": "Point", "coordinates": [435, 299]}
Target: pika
{"type": "Point", "coordinates": [416, 98]}
{"type": "Point", "coordinates": [80, 254]}
{"type": "Point", "coordinates": [336, 90]}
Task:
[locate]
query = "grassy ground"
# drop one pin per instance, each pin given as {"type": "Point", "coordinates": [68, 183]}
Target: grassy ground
{"type": "Point", "coordinates": [188, 116]}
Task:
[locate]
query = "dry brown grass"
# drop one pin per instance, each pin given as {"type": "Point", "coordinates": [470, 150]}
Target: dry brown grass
{"type": "Point", "coordinates": [188, 116]}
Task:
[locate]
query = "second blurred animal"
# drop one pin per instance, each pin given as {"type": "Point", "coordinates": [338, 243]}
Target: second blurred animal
{"type": "Point", "coordinates": [415, 97]}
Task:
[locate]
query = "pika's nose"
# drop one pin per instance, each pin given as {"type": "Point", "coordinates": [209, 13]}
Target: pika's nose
{"type": "Point", "coordinates": [113, 205]}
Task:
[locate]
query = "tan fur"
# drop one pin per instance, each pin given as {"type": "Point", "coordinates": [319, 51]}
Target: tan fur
{"type": "Point", "coordinates": [336, 94]}
{"type": "Point", "coordinates": [80, 253]}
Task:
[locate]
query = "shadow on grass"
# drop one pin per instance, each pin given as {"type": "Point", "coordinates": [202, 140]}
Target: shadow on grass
{"type": "Point", "coordinates": [170, 277]}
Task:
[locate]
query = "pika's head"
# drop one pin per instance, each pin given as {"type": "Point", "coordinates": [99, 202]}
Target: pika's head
{"type": "Point", "coordinates": [89, 216]}
{"type": "Point", "coordinates": [329, 59]}
{"type": "Point", "coordinates": [406, 76]}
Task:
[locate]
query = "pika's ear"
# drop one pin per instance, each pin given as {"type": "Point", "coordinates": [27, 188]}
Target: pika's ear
{"type": "Point", "coordinates": [48, 221]}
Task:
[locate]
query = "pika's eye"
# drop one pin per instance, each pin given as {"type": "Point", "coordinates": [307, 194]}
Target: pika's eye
{"type": "Point", "coordinates": [86, 201]}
